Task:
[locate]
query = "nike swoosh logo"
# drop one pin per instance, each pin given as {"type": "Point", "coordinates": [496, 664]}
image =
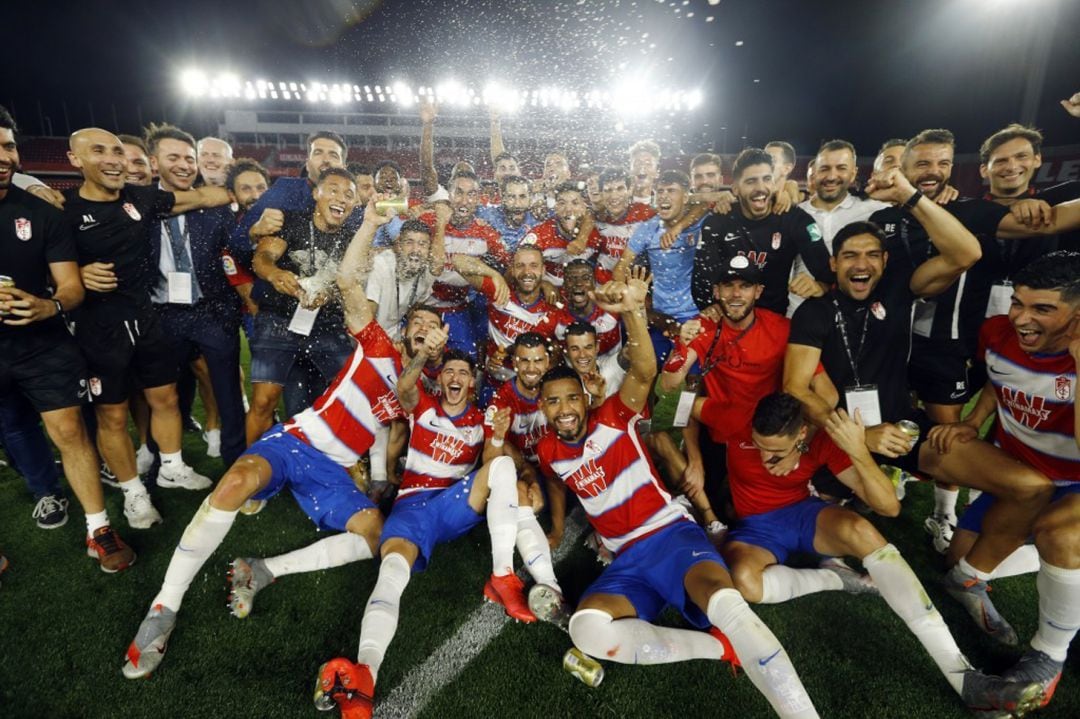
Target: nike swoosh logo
{"type": "Point", "coordinates": [766, 660]}
{"type": "Point", "coordinates": [995, 370]}
{"type": "Point", "coordinates": [83, 228]}
{"type": "Point", "coordinates": [1059, 627]}
{"type": "Point", "coordinates": [956, 395]}
{"type": "Point", "coordinates": [699, 554]}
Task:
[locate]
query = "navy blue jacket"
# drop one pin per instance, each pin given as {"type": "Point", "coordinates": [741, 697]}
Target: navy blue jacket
{"type": "Point", "coordinates": [208, 232]}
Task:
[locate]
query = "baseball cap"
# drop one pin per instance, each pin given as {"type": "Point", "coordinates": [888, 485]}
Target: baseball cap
{"type": "Point", "coordinates": [740, 268]}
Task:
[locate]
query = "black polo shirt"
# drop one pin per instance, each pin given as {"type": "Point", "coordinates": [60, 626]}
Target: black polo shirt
{"type": "Point", "coordinates": [117, 231]}
{"type": "Point", "coordinates": [32, 234]}
{"type": "Point", "coordinates": [772, 243]}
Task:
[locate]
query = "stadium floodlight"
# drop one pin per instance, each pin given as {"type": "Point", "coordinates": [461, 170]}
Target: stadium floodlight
{"type": "Point", "coordinates": [194, 82]}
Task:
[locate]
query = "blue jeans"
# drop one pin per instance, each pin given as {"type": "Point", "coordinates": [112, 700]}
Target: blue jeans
{"type": "Point", "coordinates": [24, 441]}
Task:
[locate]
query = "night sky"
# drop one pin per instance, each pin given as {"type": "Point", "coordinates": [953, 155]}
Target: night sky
{"type": "Point", "coordinates": [859, 70]}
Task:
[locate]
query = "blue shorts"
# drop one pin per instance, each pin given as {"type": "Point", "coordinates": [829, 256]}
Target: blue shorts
{"type": "Point", "coordinates": [463, 332]}
{"type": "Point", "coordinates": [431, 517]}
{"type": "Point", "coordinates": [322, 487]}
{"type": "Point", "coordinates": [973, 516]}
{"type": "Point", "coordinates": [782, 531]}
{"type": "Point", "coordinates": [651, 573]}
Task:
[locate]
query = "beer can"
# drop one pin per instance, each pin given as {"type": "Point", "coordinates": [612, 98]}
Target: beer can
{"type": "Point", "coordinates": [910, 429]}
{"type": "Point", "coordinates": [6, 281]}
{"type": "Point", "coordinates": [585, 668]}
{"type": "Point", "coordinates": [393, 206]}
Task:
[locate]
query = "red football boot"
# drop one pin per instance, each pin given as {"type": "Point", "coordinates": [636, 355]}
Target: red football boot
{"type": "Point", "coordinates": [729, 651]}
{"type": "Point", "coordinates": [349, 685]}
{"type": "Point", "coordinates": [509, 591]}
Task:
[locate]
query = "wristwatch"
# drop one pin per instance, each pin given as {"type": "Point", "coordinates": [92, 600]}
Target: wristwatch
{"type": "Point", "coordinates": [912, 201]}
{"type": "Point", "coordinates": [59, 307]}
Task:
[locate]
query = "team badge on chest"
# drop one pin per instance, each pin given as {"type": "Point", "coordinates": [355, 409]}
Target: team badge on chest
{"type": "Point", "coordinates": [132, 212]}
{"type": "Point", "coordinates": [1062, 387]}
{"type": "Point", "coordinates": [22, 229]}
{"type": "Point", "coordinates": [878, 310]}
{"type": "Point", "coordinates": [776, 238]}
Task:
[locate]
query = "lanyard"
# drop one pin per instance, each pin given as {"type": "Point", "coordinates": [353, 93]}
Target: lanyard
{"type": "Point", "coordinates": [412, 294]}
{"type": "Point", "coordinates": [311, 249]}
{"type": "Point", "coordinates": [853, 359]}
{"type": "Point", "coordinates": [709, 362]}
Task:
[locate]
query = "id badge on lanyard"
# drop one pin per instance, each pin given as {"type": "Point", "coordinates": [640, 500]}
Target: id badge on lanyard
{"type": "Point", "coordinates": [303, 320]}
{"type": "Point", "coordinates": [923, 322]}
{"type": "Point", "coordinates": [179, 288]}
{"type": "Point", "coordinates": [1000, 299]}
{"type": "Point", "coordinates": [865, 399]}
{"type": "Point", "coordinates": [686, 401]}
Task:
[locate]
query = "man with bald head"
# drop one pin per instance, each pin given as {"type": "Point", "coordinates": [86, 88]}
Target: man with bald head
{"type": "Point", "coordinates": [116, 327]}
{"type": "Point", "coordinates": [214, 157]}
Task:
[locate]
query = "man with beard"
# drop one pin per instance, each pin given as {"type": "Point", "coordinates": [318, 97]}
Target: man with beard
{"type": "Point", "coordinates": [215, 155]}
{"type": "Point", "coordinates": [513, 423]}
{"type": "Point", "coordinates": [671, 264]}
{"type": "Point", "coordinates": [121, 336]}
{"type": "Point", "coordinates": [294, 194]}
{"type": "Point", "coordinates": [888, 155]}
{"type": "Point", "coordinates": [945, 329]}
{"type": "Point", "coordinates": [831, 203]}
{"type": "Point", "coordinates": [138, 162]}
{"type": "Point", "coordinates": [309, 455]}
{"type": "Point", "coordinates": [41, 368]}
{"type": "Point", "coordinates": [403, 276]}
{"type": "Point", "coordinates": [571, 232]}
{"type": "Point", "coordinates": [511, 217]}
{"type": "Point", "coordinates": [619, 221]}
{"type": "Point", "coordinates": [1032, 356]}
{"type": "Point", "coordinates": [556, 173]}
{"type": "Point", "coordinates": [661, 557]}
{"type": "Point", "coordinates": [445, 492]}
{"type": "Point", "coordinates": [768, 240]}
{"type": "Point", "coordinates": [525, 311]}
{"type": "Point", "coordinates": [578, 306]}
{"type": "Point", "coordinates": [769, 471]}
{"type": "Point", "coordinates": [246, 182]}
{"type": "Point", "coordinates": [299, 312]}
{"type": "Point", "coordinates": [198, 308]}
{"type": "Point", "coordinates": [644, 169]}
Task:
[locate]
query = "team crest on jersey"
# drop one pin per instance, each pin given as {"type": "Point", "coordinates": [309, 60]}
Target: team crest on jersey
{"type": "Point", "coordinates": [22, 229]}
{"type": "Point", "coordinates": [131, 211]}
{"type": "Point", "coordinates": [95, 386]}
{"type": "Point", "coordinates": [228, 264]}
{"type": "Point", "coordinates": [776, 240]}
{"type": "Point", "coordinates": [813, 230]}
{"type": "Point", "coordinates": [878, 310]}
{"type": "Point", "coordinates": [530, 239]}
{"type": "Point", "coordinates": [592, 448]}
{"type": "Point", "coordinates": [1062, 387]}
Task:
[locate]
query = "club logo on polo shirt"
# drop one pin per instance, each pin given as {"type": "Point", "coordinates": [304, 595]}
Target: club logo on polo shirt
{"type": "Point", "coordinates": [1062, 387]}
{"type": "Point", "coordinates": [878, 310]}
{"type": "Point", "coordinates": [131, 211]}
{"type": "Point", "coordinates": [776, 240]}
{"type": "Point", "coordinates": [22, 229]}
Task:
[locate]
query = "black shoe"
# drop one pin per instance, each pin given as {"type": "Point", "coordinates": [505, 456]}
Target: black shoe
{"type": "Point", "coordinates": [51, 512]}
{"type": "Point", "coordinates": [107, 476]}
{"type": "Point", "coordinates": [192, 425]}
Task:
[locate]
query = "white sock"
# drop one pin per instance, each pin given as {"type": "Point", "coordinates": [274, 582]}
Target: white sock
{"type": "Point", "coordinates": [381, 613]}
{"type": "Point", "coordinates": [973, 494]}
{"type": "Point", "coordinates": [635, 641]}
{"type": "Point", "coordinates": [780, 583]}
{"type": "Point", "coordinates": [96, 521]}
{"type": "Point", "coordinates": [1025, 560]}
{"type": "Point", "coordinates": [761, 654]}
{"type": "Point", "coordinates": [1059, 610]}
{"type": "Point", "coordinates": [971, 571]}
{"type": "Point", "coordinates": [333, 551]}
{"type": "Point", "coordinates": [144, 448]}
{"type": "Point", "coordinates": [945, 503]}
{"type": "Point", "coordinates": [502, 507]}
{"type": "Point", "coordinates": [172, 460]}
{"type": "Point", "coordinates": [202, 536]}
{"type": "Point", "coordinates": [534, 549]}
{"type": "Point", "coordinates": [132, 486]}
{"type": "Point", "coordinates": [904, 594]}
{"type": "Point", "coordinates": [377, 453]}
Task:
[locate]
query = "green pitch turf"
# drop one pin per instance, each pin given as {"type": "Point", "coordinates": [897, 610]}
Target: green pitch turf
{"type": "Point", "coordinates": [64, 627]}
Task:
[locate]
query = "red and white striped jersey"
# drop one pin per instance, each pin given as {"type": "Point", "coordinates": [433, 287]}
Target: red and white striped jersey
{"type": "Point", "coordinates": [507, 323]}
{"type": "Point", "coordinates": [450, 290]}
{"type": "Point", "coordinates": [614, 234]}
{"type": "Point", "coordinates": [527, 422]}
{"type": "Point", "coordinates": [611, 473]}
{"type": "Point", "coordinates": [442, 449]}
{"type": "Point", "coordinates": [1035, 401]}
{"type": "Point", "coordinates": [342, 422]}
{"type": "Point", "coordinates": [608, 329]}
{"type": "Point", "coordinates": [553, 244]}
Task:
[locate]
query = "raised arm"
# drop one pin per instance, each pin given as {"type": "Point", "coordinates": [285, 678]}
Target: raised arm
{"type": "Point", "coordinates": [354, 268]}
{"type": "Point", "coordinates": [408, 390]}
{"type": "Point", "coordinates": [200, 198]}
{"type": "Point", "coordinates": [682, 356]}
{"type": "Point", "coordinates": [428, 176]}
{"type": "Point", "coordinates": [1065, 217]}
{"type": "Point", "coordinates": [497, 146]}
{"type": "Point", "coordinates": [957, 248]}
{"type": "Point", "coordinates": [628, 299]}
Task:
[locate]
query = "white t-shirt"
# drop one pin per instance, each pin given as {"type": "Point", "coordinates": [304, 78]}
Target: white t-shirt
{"type": "Point", "coordinates": [395, 295]}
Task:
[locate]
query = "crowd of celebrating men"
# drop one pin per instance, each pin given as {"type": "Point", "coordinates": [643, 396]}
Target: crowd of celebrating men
{"type": "Point", "coordinates": [719, 377]}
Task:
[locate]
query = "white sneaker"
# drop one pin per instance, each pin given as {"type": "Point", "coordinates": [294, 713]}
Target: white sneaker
{"type": "Point", "coordinates": [144, 460]}
{"type": "Point", "coordinates": [139, 510]}
{"type": "Point", "coordinates": [940, 529]}
{"type": "Point", "coordinates": [184, 477]}
{"type": "Point", "coordinates": [212, 437]}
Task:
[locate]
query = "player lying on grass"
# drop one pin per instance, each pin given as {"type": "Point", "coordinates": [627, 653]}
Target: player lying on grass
{"type": "Point", "coordinates": [443, 495]}
{"type": "Point", "coordinates": [1032, 356]}
{"type": "Point", "coordinates": [662, 557]}
{"type": "Point", "coordinates": [769, 472]}
{"type": "Point", "coordinates": [309, 454]}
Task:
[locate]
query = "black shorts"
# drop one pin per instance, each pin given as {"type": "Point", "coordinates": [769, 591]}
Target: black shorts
{"type": "Point", "coordinates": [46, 367]}
{"type": "Point", "coordinates": [126, 354]}
{"type": "Point", "coordinates": [939, 373]}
